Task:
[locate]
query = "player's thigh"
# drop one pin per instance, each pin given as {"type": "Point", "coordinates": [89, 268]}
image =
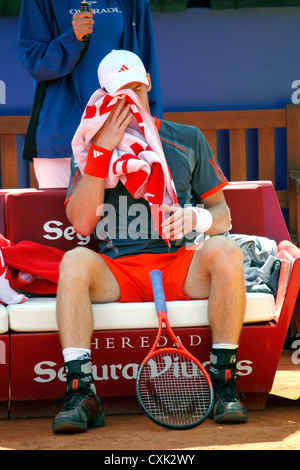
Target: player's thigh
{"type": "Point", "coordinates": [104, 286]}
{"type": "Point", "coordinates": [216, 255]}
{"type": "Point", "coordinates": [87, 268]}
{"type": "Point", "coordinates": [197, 281]}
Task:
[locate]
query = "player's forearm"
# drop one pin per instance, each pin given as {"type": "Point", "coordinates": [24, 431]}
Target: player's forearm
{"type": "Point", "coordinates": [221, 219]}
{"type": "Point", "coordinates": [84, 207]}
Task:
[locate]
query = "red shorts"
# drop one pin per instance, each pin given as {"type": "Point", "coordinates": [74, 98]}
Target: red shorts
{"type": "Point", "coordinates": [132, 274]}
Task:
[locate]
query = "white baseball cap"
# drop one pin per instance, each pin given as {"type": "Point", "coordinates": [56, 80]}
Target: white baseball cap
{"type": "Point", "coordinates": [119, 68]}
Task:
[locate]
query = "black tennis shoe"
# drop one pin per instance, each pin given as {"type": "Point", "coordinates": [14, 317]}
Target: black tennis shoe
{"type": "Point", "coordinates": [228, 408]}
{"type": "Point", "coordinates": [81, 405]}
{"type": "Point", "coordinates": [81, 411]}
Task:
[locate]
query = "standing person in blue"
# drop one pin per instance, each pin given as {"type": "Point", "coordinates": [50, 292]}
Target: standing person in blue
{"type": "Point", "coordinates": [64, 66]}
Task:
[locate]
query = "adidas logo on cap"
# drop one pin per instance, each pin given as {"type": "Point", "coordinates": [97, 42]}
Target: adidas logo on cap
{"type": "Point", "coordinates": [117, 61]}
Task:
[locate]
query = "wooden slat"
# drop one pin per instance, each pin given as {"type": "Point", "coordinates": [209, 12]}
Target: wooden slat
{"type": "Point", "coordinates": [237, 146]}
{"type": "Point", "coordinates": [292, 136]}
{"type": "Point", "coordinates": [266, 155]}
{"type": "Point", "coordinates": [9, 170]}
{"type": "Point", "coordinates": [282, 197]}
{"type": "Point", "coordinates": [13, 124]}
{"type": "Point", "coordinates": [10, 127]}
{"type": "Point", "coordinates": [211, 136]}
{"type": "Point", "coordinates": [249, 119]}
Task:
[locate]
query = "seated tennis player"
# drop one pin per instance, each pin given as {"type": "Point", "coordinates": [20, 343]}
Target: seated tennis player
{"type": "Point", "coordinates": [136, 181]}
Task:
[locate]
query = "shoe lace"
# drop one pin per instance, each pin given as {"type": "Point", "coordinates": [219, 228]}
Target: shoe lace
{"type": "Point", "coordinates": [71, 399]}
{"type": "Point", "coordinates": [228, 389]}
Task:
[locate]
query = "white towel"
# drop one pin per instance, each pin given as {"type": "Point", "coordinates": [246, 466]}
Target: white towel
{"type": "Point", "coordinates": [138, 161]}
{"type": "Point", "coordinates": [7, 294]}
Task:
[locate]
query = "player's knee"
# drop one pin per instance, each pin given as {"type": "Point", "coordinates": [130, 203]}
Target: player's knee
{"type": "Point", "coordinates": [74, 266]}
{"type": "Point", "coordinates": [226, 257]}
{"type": "Point", "coordinates": [232, 252]}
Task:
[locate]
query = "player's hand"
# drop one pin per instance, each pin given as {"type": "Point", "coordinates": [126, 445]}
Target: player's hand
{"type": "Point", "coordinates": [83, 23]}
{"type": "Point", "coordinates": [114, 127]}
{"type": "Point", "coordinates": [179, 223]}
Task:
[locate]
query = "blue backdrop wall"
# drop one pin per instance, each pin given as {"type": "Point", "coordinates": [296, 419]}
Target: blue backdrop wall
{"type": "Point", "coordinates": [232, 59]}
{"type": "Point", "coordinates": [209, 60]}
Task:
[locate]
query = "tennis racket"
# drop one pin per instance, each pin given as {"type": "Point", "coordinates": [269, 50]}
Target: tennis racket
{"type": "Point", "coordinates": [173, 388]}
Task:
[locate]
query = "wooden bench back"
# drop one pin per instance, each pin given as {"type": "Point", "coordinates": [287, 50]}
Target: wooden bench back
{"type": "Point", "coordinates": [210, 122]}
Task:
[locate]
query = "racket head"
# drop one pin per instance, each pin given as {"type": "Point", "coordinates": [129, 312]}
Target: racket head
{"type": "Point", "coordinates": [174, 390]}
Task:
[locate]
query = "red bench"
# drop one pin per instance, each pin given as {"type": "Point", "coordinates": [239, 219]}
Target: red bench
{"type": "Point", "coordinates": [124, 332]}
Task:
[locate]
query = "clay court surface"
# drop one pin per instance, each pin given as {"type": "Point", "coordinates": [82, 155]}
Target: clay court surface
{"type": "Point", "coordinates": [277, 427]}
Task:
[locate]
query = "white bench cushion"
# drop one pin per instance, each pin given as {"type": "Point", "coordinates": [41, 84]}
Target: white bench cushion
{"type": "Point", "coordinates": [38, 314]}
{"type": "Point", "coordinates": [3, 319]}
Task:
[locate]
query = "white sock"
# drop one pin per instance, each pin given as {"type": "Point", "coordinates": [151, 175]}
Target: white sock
{"type": "Point", "coordinates": [225, 346]}
{"type": "Point", "coordinates": [71, 354]}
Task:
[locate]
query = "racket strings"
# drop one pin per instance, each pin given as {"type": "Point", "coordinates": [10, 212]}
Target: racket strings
{"type": "Point", "coordinates": [174, 390]}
